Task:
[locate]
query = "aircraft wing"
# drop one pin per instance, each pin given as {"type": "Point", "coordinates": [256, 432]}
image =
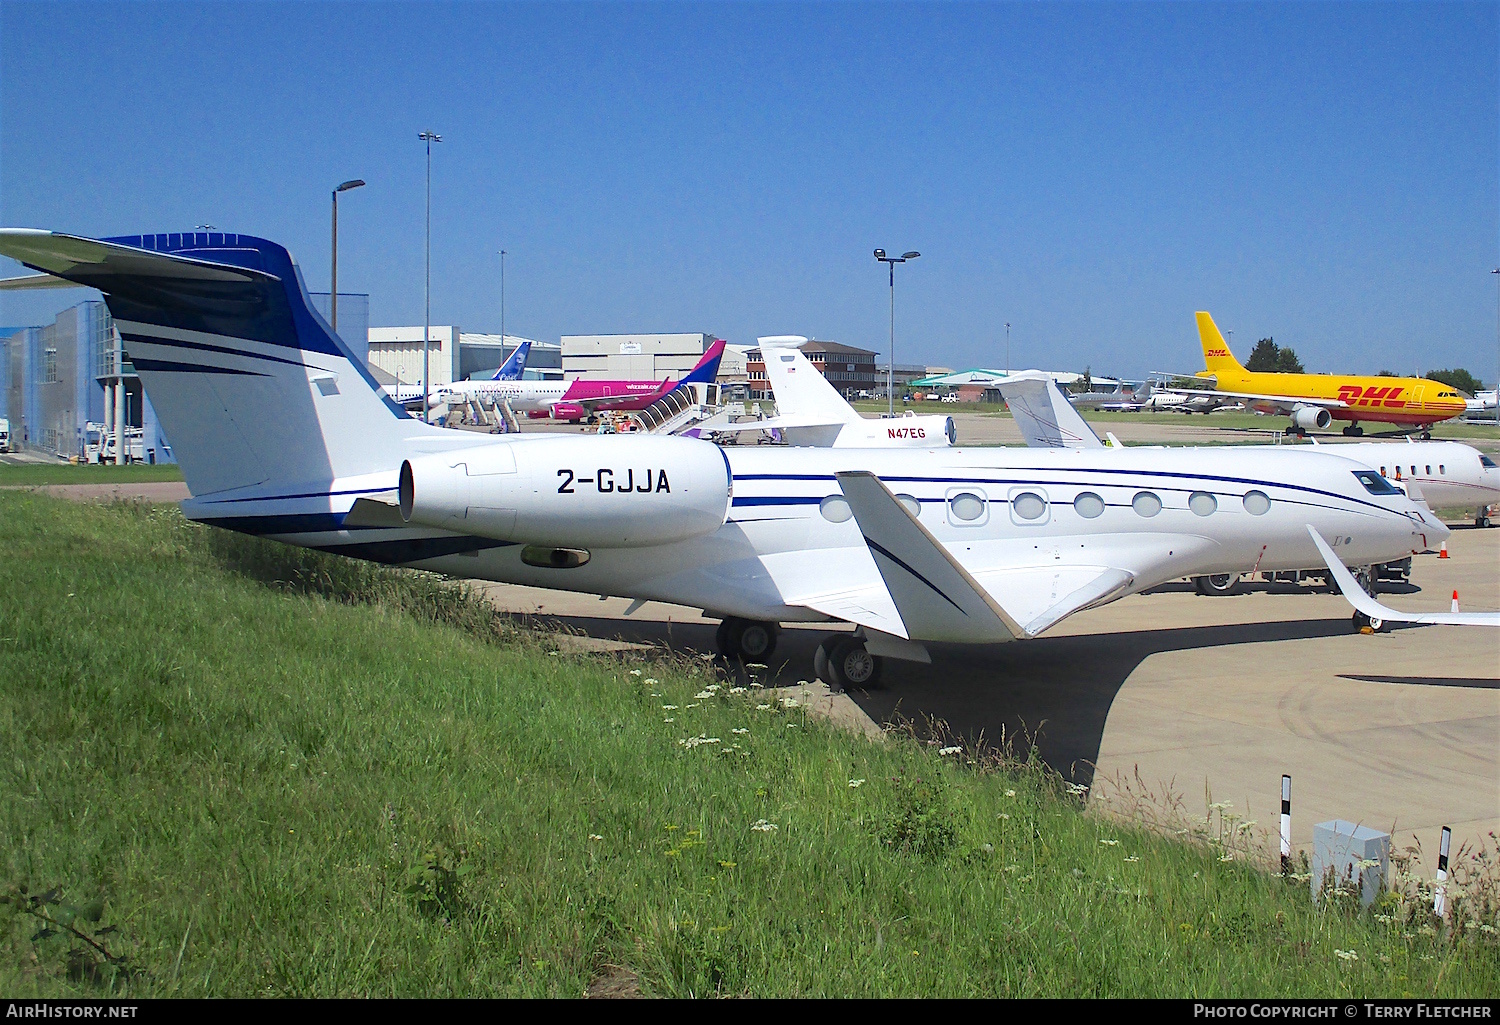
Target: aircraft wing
{"type": "Point", "coordinates": [27, 281]}
{"type": "Point", "coordinates": [1365, 603]}
{"type": "Point", "coordinates": [610, 401]}
{"type": "Point", "coordinates": [1045, 416]}
{"type": "Point", "coordinates": [780, 423]}
{"type": "Point", "coordinates": [1284, 403]}
{"type": "Point", "coordinates": [838, 582]}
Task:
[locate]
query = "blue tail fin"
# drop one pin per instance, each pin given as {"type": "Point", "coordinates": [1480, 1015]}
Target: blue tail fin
{"type": "Point", "coordinates": [515, 366]}
{"type": "Point", "coordinates": [707, 370]}
{"type": "Point", "coordinates": [252, 387]}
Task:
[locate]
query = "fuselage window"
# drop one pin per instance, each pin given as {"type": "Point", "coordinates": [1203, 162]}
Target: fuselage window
{"type": "Point", "coordinates": [966, 506]}
{"type": "Point", "coordinates": [1429, 469]}
{"type": "Point", "coordinates": [1202, 503]}
{"type": "Point", "coordinates": [1442, 469]}
{"type": "Point", "coordinates": [1145, 504]}
{"type": "Point", "coordinates": [835, 509]}
{"type": "Point", "coordinates": [912, 505]}
{"type": "Point", "coordinates": [1028, 506]}
{"type": "Point", "coordinates": [1257, 503]}
{"type": "Point", "coordinates": [1088, 505]}
{"type": "Point", "coordinates": [1375, 484]}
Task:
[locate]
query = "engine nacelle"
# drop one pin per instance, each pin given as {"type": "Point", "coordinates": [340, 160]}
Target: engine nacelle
{"type": "Point", "coordinates": [914, 430]}
{"type": "Point", "coordinates": [1305, 417]}
{"type": "Point", "coordinates": [613, 491]}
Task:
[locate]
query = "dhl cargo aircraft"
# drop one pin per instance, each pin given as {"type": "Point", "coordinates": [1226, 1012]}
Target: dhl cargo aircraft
{"type": "Point", "coordinates": [1316, 400]}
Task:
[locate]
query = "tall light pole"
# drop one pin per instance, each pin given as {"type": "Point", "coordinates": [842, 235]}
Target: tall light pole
{"type": "Point", "coordinates": [429, 138]}
{"type": "Point", "coordinates": [502, 301]}
{"type": "Point", "coordinates": [334, 299]}
{"type": "Point", "coordinates": [1007, 348]}
{"type": "Point", "coordinates": [890, 369]}
{"type": "Point", "coordinates": [1497, 344]}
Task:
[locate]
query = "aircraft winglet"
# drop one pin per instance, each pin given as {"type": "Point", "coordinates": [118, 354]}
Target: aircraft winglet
{"type": "Point", "coordinates": [1363, 602]}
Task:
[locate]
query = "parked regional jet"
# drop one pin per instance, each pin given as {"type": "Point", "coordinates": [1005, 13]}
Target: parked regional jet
{"type": "Point", "coordinates": [810, 411]}
{"type": "Point", "coordinates": [512, 369]}
{"type": "Point", "coordinates": [578, 399]}
{"type": "Point", "coordinates": [282, 432]}
{"type": "Point", "coordinates": [1316, 400]}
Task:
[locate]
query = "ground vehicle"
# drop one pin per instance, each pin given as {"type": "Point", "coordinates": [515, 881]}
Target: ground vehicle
{"type": "Point", "coordinates": [99, 445]}
{"type": "Point", "coordinates": [4, 435]}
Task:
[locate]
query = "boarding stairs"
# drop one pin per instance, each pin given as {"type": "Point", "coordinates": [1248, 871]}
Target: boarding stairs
{"type": "Point", "coordinates": [680, 409]}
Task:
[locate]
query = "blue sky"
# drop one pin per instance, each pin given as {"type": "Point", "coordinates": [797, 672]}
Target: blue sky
{"type": "Point", "coordinates": [1328, 174]}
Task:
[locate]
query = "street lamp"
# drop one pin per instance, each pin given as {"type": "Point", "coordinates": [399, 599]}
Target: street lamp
{"type": "Point", "coordinates": [429, 138]}
{"type": "Point", "coordinates": [502, 301]}
{"type": "Point", "coordinates": [1497, 340]}
{"type": "Point", "coordinates": [890, 369]}
{"type": "Point", "coordinates": [1007, 348]}
{"type": "Point", "coordinates": [334, 299]}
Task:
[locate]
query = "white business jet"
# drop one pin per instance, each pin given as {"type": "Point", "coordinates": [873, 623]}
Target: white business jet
{"type": "Point", "coordinates": [281, 432]}
{"type": "Point", "coordinates": [810, 411]}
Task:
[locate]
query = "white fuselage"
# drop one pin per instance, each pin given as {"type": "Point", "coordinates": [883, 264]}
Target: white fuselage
{"type": "Point", "coordinates": [775, 529]}
{"type": "Point", "coordinates": [1448, 474]}
{"type": "Point", "coordinates": [523, 396]}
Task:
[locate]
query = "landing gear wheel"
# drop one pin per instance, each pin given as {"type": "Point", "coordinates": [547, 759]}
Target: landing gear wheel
{"type": "Point", "coordinates": [851, 665]}
{"type": "Point", "coordinates": [1375, 624]}
{"type": "Point", "coordinates": [821, 669]}
{"type": "Point", "coordinates": [1426, 435]}
{"type": "Point", "coordinates": [747, 640]}
{"type": "Point", "coordinates": [1354, 431]}
{"type": "Point", "coordinates": [1218, 584]}
{"type": "Point", "coordinates": [1481, 520]}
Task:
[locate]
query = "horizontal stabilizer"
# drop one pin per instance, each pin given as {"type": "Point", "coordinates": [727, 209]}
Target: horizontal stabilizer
{"type": "Point", "coordinates": [1365, 603]}
{"type": "Point", "coordinates": [936, 597]}
{"type": "Point", "coordinates": [375, 511]}
{"type": "Point", "coordinates": [28, 281]}
{"type": "Point", "coordinates": [1044, 415]}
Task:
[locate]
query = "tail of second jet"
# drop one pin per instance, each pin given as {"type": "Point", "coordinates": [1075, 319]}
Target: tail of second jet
{"type": "Point", "coordinates": [257, 393]}
{"type": "Point", "coordinates": [1217, 358]}
{"type": "Point", "coordinates": [515, 366]}
{"type": "Point", "coordinates": [707, 370]}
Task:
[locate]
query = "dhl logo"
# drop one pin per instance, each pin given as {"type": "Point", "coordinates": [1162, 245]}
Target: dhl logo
{"type": "Point", "coordinates": [1354, 395]}
{"type": "Point", "coordinates": [1217, 353]}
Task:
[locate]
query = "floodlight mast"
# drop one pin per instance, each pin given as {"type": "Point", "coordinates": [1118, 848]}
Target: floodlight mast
{"type": "Point", "coordinates": [429, 138]}
{"type": "Point", "coordinates": [334, 298]}
{"type": "Point", "coordinates": [890, 367]}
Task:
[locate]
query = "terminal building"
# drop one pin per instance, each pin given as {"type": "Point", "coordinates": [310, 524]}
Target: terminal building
{"type": "Point", "coordinates": [849, 369]}
{"type": "Point", "coordinates": [633, 357]}
{"type": "Point", "coordinates": [65, 385]}
{"type": "Point", "coordinates": [452, 354]}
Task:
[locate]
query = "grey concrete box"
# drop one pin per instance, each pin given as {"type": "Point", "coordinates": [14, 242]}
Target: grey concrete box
{"type": "Point", "coordinates": [1340, 847]}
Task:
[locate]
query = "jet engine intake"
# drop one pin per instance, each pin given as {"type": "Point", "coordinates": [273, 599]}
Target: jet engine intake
{"type": "Point", "coordinates": [618, 491]}
{"type": "Point", "coordinates": [1305, 417]}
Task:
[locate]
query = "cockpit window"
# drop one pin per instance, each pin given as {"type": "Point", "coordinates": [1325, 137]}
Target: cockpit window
{"type": "Point", "coordinates": [1485, 460]}
{"type": "Point", "coordinates": [1375, 484]}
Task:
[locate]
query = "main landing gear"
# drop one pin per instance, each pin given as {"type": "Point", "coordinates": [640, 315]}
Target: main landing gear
{"type": "Point", "coordinates": [747, 640]}
{"type": "Point", "coordinates": [842, 661]}
{"type": "Point", "coordinates": [1354, 431]}
{"type": "Point", "coordinates": [1218, 584]}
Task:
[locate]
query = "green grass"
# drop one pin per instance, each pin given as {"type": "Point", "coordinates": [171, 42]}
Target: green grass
{"type": "Point", "coordinates": [28, 474]}
{"type": "Point", "coordinates": [275, 772]}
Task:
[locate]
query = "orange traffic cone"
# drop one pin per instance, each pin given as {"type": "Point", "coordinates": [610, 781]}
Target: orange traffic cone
{"type": "Point", "coordinates": [1455, 601]}
{"type": "Point", "coordinates": [1443, 550]}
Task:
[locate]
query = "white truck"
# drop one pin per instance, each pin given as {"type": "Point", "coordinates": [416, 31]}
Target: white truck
{"type": "Point", "coordinates": [4, 434]}
{"type": "Point", "coordinates": [99, 445]}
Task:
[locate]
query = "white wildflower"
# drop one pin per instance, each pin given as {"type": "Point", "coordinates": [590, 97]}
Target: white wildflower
{"type": "Point", "coordinates": [944, 752]}
{"type": "Point", "coordinates": [635, 672]}
{"type": "Point", "coordinates": [855, 784]}
{"type": "Point", "coordinates": [756, 665]}
{"type": "Point", "coordinates": [692, 742]}
{"type": "Point", "coordinates": [595, 836]}
{"type": "Point", "coordinates": [1010, 793]}
{"type": "Point", "coordinates": [704, 694]}
{"type": "Point", "coordinates": [1109, 843]}
{"type": "Point", "coordinates": [1346, 955]}
{"type": "Point", "coordinates": [650, 682]}
{"type": "Point", "coordinates": [787, 702]}
{"type": "Point", "coordinates": [1226, 856]}
{"type": "Point", "coordinates": [762, 826]}
{"type": "Point", "coordinates": [739, 730]}
{"type": "Point", "coordinates": [736, 690]}
{"type": "Point", "coordinates": [762, 708]}
{"type": "Point", "coordinates": [1003, 815]}
{"type": "Point", "coordinates": [669, 719]}
{"type": "Point", "coordinates": [1012, 868]}
{"type": "Point", "coordinates": [1077, 789]}
{"type": "Point", "coordinates": [669, 708]}
{"type": "Point", "coordinates": [1132, 859]}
